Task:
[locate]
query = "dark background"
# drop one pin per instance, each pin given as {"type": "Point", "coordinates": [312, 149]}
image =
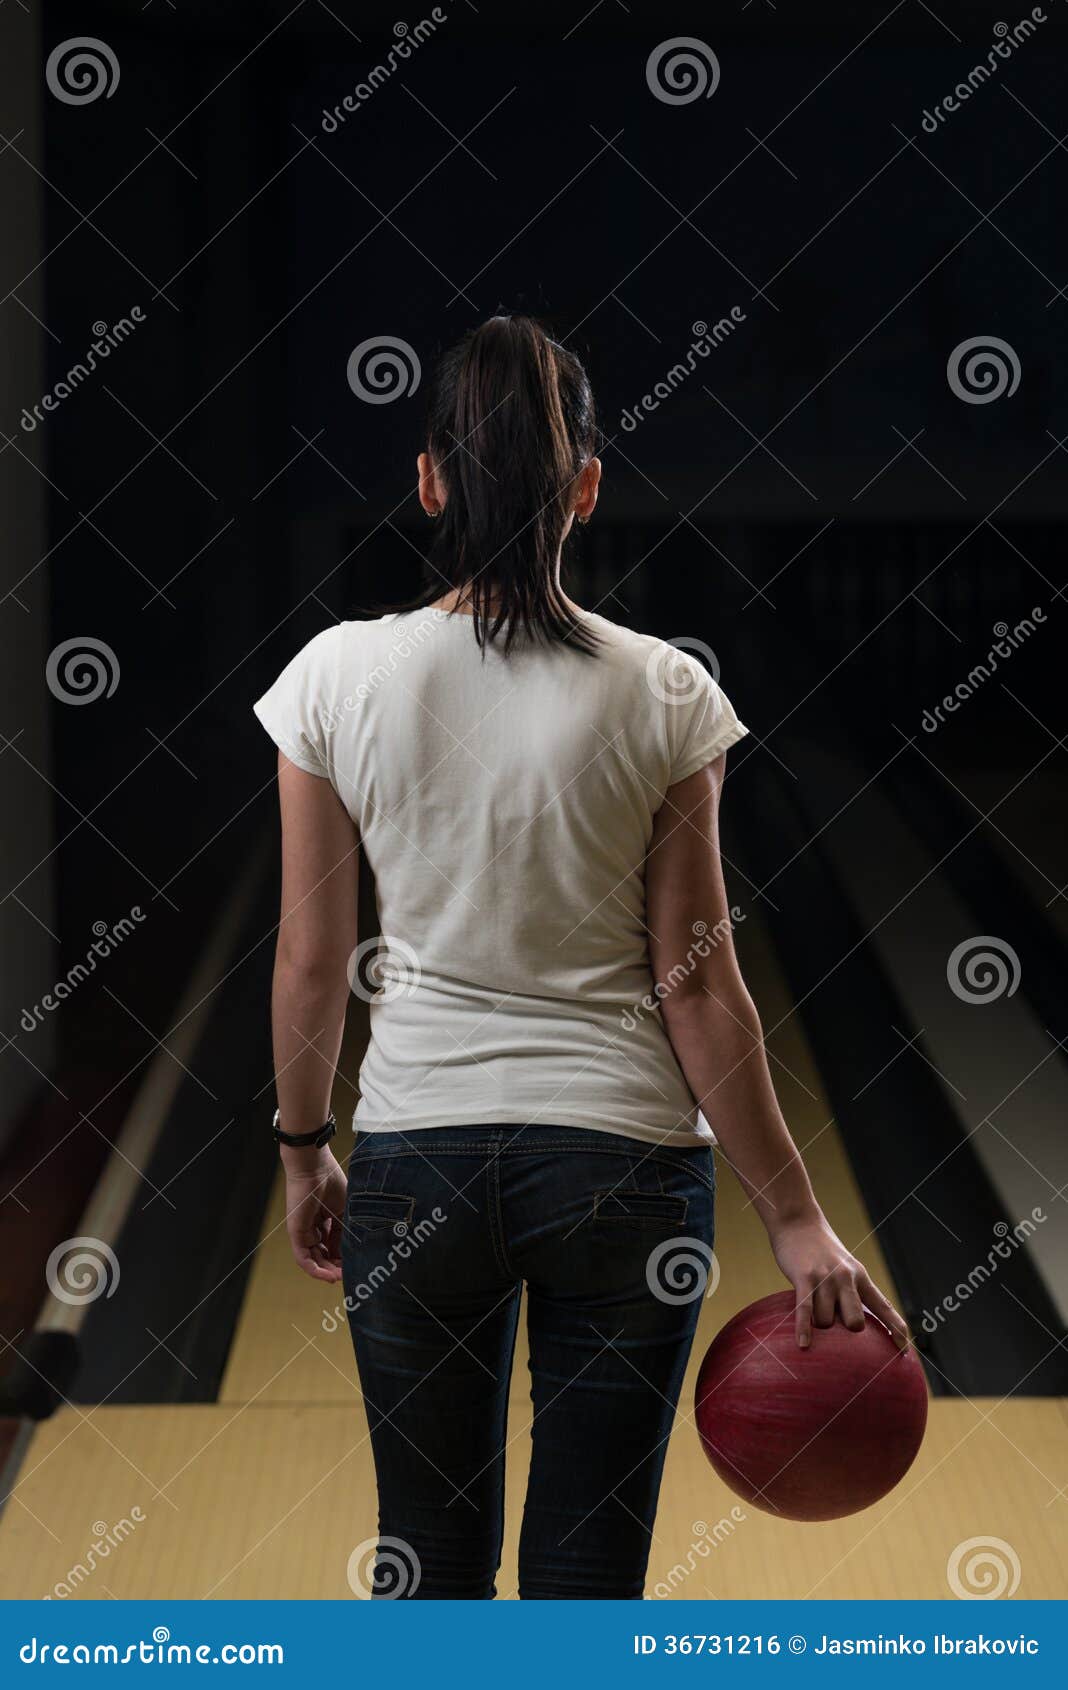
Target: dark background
{"type": "Point", "coordinates": [815, 505]}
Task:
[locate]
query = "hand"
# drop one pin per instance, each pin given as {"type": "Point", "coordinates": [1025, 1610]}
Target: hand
{"type": "Point", "coordinates": [315, 1211]}
{"type": "Point", "coordinates": [829, 1281]}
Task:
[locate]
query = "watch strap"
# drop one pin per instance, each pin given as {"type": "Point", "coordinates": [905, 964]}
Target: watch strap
{"type": "Point", "coordinates": [305, 1141]}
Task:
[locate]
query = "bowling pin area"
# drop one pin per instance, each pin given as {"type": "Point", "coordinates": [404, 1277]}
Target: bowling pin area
{"type": "Point", "coordinates": [268, 1488]}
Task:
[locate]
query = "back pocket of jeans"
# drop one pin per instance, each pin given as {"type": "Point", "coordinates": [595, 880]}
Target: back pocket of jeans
{"type": "Point", "coordinates": [369, 1213]}
{"type": "Point", "coordinates": [619, 1206]}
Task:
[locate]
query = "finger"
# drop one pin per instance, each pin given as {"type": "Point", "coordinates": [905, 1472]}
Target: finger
{"type": "Point", "coordinates": [310, 1263]}
{"type": "Point", "coordinates": [328, 1244]}
{"type": "Point", "coordinates": [849, 1304]}
{"type": "Point", "coordinates": [326, 1256]}
{"type": "Point", "coordinates": [333, 1240]}
{"type": "Point", "coordinates": [307, 1246]}
{"type": "Point", "coordinates": [824, 1301]}
{"type": "Point", "coordinates": [885, 1310]}
{"type": "Point", "coordinates": [803, 1317]}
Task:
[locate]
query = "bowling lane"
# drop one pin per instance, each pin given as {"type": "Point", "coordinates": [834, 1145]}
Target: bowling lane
{"type": "Point", "coordinates": [272, 1488]}
{"type": "Point", "coordinates": [1029, 833]}
{"type": "Point", "coordinates": [1010, 1097]}
{"type": "Point", "coordinates": [265, 1501]}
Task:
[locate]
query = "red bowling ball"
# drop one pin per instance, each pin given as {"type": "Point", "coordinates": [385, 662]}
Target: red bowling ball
{"type": "Point", "coordinates": [809, 1434]}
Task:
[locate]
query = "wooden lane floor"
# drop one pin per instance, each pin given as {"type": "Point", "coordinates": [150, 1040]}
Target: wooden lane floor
{"type": "Point", "coordinates": [270, 1491]}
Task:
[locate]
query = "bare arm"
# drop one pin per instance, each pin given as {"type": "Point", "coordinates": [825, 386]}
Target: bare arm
{"type": "Point", "coordinates": [716, 1034]}
{"type": "Point", "coordinates": [316, 937]}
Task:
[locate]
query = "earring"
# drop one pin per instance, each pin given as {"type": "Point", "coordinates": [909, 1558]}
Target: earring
{"type": "Point", "coordinates": [584, 520]}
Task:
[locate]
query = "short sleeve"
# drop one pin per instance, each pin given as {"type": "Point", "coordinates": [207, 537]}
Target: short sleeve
{"type": "Point", "coordinates": [701, 721]}
{"type": "Point", "coordinates": [296, 709]}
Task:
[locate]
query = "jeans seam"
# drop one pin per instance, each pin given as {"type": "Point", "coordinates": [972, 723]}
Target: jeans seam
{"type": "Point", "coordinates": [500, 1248]}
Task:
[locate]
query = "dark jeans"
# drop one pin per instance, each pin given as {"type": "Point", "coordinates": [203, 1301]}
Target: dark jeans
{"type": "Point", "coordinates": [613, 1239]}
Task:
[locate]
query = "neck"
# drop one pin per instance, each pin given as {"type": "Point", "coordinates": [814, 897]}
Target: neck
{"type": "Point", "coordinates": [458, 599]}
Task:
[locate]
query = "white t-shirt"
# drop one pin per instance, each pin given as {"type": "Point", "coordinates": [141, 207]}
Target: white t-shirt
{"type": "Point", "coordinates": [506, 806]}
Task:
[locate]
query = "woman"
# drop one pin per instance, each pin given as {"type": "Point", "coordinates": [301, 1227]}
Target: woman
{"type": "Point", "coordinates": [537, 796]}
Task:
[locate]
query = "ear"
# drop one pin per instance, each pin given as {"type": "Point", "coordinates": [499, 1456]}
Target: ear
{"type": "Point", "coordinates": [431, 488]}
{"type": "Point", "coordinates": [588, 481]}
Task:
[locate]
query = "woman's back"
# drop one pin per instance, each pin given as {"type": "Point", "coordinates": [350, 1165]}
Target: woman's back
{"type": "Point", "coordinates": [537, 791]}
{"type": "Point", "coordinates": [505, 805]}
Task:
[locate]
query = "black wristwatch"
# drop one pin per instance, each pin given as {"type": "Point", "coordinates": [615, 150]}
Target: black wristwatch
{"type": "Point", "coordinates": [305, 1141]}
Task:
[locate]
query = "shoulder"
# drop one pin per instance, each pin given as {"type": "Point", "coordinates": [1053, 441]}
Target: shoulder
{"type": "Point", "coordinates": [343, 640]}
{"type": "Point", "coordinates": [322, 649]}
{"type": "Point", "coordinates": [624, 646]}
{"type": "Point", "coordinates": [667, 670]}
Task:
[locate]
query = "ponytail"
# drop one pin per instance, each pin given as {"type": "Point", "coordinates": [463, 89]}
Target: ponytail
{"type": "Point", "coordinates": [511, 424]}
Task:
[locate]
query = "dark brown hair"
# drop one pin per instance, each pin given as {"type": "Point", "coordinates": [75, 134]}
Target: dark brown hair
{"type": "Point", "coordinates": [510, 425]}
